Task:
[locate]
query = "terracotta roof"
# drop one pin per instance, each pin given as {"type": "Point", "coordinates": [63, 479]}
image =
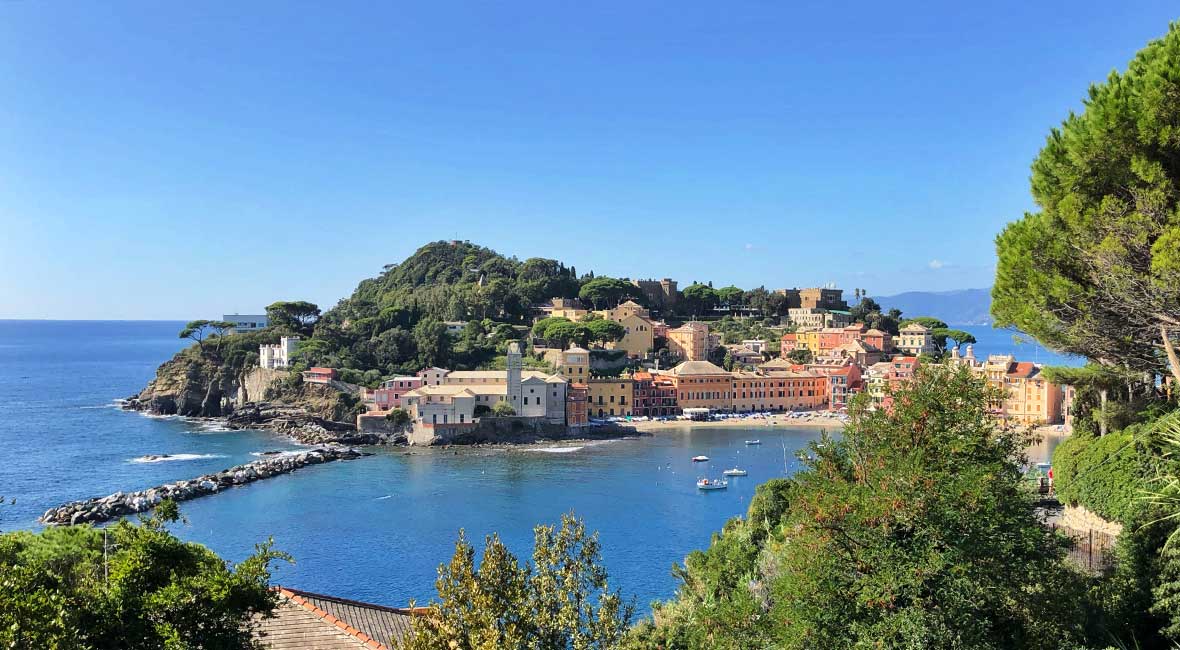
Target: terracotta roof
{"type": "Point", "coordinates": [1023, 369]}
{"type": "Point", "coordinates": [304, 620]}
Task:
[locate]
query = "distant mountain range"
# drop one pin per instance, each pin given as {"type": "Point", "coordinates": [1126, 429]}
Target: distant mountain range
{"type": "Point", "coordinates": [958, 307]}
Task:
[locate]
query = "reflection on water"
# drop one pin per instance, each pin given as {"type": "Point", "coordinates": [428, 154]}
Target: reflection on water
{"type": "Point", "coordinates": [1042, 451]}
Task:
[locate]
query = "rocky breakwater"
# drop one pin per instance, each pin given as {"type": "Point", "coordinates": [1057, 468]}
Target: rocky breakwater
{"type": "Point", "coordinates": [126, 503]}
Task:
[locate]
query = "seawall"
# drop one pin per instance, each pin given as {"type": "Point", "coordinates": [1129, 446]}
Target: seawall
{"type": "Point", "coordinates": [119, 504]}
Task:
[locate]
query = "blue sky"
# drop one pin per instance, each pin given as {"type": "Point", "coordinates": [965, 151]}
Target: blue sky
{"type": "Point", "coordinates": [177, 160]}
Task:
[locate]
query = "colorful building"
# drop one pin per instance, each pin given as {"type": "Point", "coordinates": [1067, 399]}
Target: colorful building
{"type": "Point", "coordinates": [576, 413]}
{"type": "Point", "coordinates": [653, 395]}
{"type": "Point", "coordinates": [690, 341]}
{"type": "Point", "coordinates": [610, 396]}
{"type": "Point", "coordinates": [1030, 398]}
{"type": "Point", "coordinates": [388, 395]}
{"type": "Point", "coordinates": [318, 375]}
{"type": "Point", "coordinates": [574, 364]}
{"type": "Point", "coordinates": [638, 334]}
{"type": "Point", "coordinates": [842, 385]}
{"type": "Point", "coordinates": [700, 384]}
{"type": "Point", "coordinates": [916, 339]}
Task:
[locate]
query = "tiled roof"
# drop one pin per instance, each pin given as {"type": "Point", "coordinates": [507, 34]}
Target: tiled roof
{"type": "Point", "coordinates": [306, 620]}
{"type": "Point", "coordinates": [697, 368]}
{"type": "Point", "coordinates": [1023, 369]}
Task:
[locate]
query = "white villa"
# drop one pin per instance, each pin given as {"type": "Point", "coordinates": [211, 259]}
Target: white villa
{"type": "Point", "coordinates": [279, 354]}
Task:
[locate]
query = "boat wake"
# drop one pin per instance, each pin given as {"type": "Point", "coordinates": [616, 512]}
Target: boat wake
{"type": "Point", "coordinates": [556, 450]}
{"type": "Point", "coordinates": [165, 458]}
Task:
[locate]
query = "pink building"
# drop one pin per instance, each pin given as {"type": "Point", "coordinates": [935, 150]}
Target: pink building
{"type": "Point", "coordinates": [843, 384]}
{"type": "Point", "coordinates": [389, 395]}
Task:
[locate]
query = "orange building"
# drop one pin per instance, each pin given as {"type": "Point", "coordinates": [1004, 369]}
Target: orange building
{"type": "Point", "coordinates": [831, 338]}
{"type": "Point", "coordinates": [778, 391]}
{"type": "Point", "coordinates": [700, 384]}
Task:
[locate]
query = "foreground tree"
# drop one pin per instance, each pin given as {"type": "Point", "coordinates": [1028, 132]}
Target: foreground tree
{"type": "Point", "coordinates": [134, 587]}
{"type": "Point", "coordinates": [912, 530]}
{"type": "Point", "coordinates": [560, 601]}
{"type": "Point", "coordinates": [1096, 272]}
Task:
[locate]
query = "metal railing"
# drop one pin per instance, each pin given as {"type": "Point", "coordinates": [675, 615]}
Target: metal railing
{"type": "Point", "coordinates": [1092, 550]}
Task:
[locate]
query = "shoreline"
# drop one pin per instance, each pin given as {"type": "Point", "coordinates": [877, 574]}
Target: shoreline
{"type": "Point", "coordinates": [771, 422]}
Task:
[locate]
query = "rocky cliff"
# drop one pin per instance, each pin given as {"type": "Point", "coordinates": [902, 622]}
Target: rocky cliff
{"type": "Point", "coordinates": [189, 385]}
{"type": "Point", "coordinates": [193, 385]}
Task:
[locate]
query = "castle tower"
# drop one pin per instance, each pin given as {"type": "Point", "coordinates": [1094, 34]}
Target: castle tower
{"type": "Point", "coordinates": [514, 365]}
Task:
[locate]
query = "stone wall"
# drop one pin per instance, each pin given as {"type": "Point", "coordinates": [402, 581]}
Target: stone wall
{"type": "Point", "coordinates": [1079, 518]}
{"type": "Point", "coordinates": [376, 423]}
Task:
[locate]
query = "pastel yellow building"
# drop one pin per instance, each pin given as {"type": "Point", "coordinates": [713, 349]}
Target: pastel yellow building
{"type": "Point", "coordinates": [609, 396]}
{"type": "Point", "coordinates": [625, 309]}
{"type": "Point", "coordinates": [1030, 398]}
{"type": "Point", "coordinates": [690, 341]}
{"type": "Point", "coordinates": [808, 337]}
{"type": "Point", "coordinates": [638, 338]}
{"type": "Point", "coordinates": [574, 364]}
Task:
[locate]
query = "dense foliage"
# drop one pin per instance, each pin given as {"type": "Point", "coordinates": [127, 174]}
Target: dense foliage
{"type": "Point", "coordinates": [912, 530]}
{"type": "Point", "coordinates": [1096, 271]}
{"type": "Point", "coordinates": [868, 311]}
{"type": "Point", "coordinates": [1107, 474]}
{"type": "Point", "coordinates": [558, 602]}
{"type": "Point", "coordinates": [129, 587]}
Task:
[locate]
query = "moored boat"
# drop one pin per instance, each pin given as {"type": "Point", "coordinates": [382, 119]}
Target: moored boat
{"type": "Point", "coordinates": [735, 472]}
{"type": "Point", "coordinates": [712, 484]}
{"type": "Point", "coordinates": [753, 442]}
{"type": "Point", "coordinates": [700, 459]}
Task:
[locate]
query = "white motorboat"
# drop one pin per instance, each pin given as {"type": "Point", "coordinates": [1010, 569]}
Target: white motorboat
{"type": "Point", "coordinates": [735, 472]}
{"type": "Point", "coordinates": [712, 484]}
{"type": "Point", "coordinates": [753, 442]}
{"type": "Point", "coordinates": [700, 459]}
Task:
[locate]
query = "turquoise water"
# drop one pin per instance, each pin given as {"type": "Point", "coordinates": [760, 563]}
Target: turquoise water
{"type": "Point", "coordinates": [373, 529]}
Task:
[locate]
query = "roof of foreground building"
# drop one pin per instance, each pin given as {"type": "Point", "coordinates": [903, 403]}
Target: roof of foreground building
{"type": "Point", "coordinates": [303, 619]}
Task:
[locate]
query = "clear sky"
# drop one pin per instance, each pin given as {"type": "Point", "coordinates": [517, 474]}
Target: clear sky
{"type": "Point", "coordinates": [182, 160]}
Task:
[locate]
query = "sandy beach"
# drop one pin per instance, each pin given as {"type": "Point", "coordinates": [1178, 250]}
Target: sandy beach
{"type": "Point", "coordinates": [818, 420]}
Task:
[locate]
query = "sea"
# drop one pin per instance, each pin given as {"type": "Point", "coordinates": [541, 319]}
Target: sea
{"type": "Point", "coordinates": [374, 529]}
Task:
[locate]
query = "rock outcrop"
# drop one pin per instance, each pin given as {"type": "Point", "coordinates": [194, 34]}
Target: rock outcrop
{"type": "Point", "coordinates": [187, 385]}
{"type": "Point", "coordinates": [303, 426]}
{"type": "Point", "coordinates": [125, 503]}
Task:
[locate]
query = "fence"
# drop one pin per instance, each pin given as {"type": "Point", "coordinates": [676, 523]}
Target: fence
{"type": "Point", "coordinates": [1092, 550]}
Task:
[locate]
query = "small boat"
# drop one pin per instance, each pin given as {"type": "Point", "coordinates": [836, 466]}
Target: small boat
{"type": "Point", "coordinates": [735, 472]}
{"type": "Point", "coordinates": [700, 459]}
{"type": "Point", "coordinates": [707, 484]}
{"type": "Point", "coordinates": [753, 442]}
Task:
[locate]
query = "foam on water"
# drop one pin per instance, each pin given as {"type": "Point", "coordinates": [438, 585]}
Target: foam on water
{"type": "Point", "coordinates": [164, 458]}
{"type": "Point", "coordinates": [556, 450]}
